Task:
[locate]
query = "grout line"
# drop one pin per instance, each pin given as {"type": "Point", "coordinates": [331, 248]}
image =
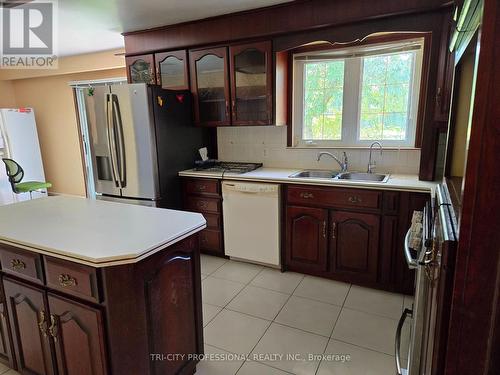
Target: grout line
{"type": "Point", "coordinates": [363, 347]}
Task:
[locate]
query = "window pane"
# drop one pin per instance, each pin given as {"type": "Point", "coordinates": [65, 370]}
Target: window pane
{"type": "Point", "coordinates": [385, 94]}
{"type": "Point", "coordinates": [323, 100]}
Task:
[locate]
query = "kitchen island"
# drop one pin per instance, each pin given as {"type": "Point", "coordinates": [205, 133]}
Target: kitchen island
{"type": "Point", "coordinates": [94, 287]}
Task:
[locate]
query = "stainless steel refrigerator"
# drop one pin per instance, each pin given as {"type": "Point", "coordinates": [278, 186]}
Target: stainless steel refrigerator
{"type": "Point", "coordinates": [140, 137]}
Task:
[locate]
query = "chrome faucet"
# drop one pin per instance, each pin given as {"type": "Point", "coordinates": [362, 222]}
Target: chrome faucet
{"type": "Point", "coordinates": [343, 164]}
{"type": "Point", "coordinates": [371, 164]}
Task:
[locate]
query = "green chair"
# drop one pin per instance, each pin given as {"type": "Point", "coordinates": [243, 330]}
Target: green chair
{"type": "Point", "coordinates": [16, 174]}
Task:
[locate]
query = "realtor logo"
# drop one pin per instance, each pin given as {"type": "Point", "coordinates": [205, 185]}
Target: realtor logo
{"type": "Point", "coordinates": [28, 34]}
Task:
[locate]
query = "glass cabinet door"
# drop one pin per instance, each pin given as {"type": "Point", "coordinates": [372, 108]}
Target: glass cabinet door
{"type": "Point", "coordinates": [171, 70]}
{"type": "Point", "coordinates": [140, 69]}
{"type": "Point", "coordinates": [251, 84]}
{"type": "Point", "coordinates": [210, 86]}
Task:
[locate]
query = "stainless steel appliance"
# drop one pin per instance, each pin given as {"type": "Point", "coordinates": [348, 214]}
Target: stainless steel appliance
{"type": "Point", "coordinates": [141, 136]}
{"type": "Point", "coordinates": [434, 263]}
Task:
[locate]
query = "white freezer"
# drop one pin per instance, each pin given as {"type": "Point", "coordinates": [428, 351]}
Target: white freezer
{"type": "Point", "coordinates": [19, 141]}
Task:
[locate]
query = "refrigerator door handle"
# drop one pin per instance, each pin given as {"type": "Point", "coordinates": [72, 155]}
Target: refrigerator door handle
{"type": "Point", "coordinates": [111, 139]}
{"type": "Point", "coordinates": [406, 313]}
{"type": "Point", "coordinates": [121, 148]}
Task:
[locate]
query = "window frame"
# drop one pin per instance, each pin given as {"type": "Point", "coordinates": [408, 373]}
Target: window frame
{"type": "Point", "coordinates": [351, 111]}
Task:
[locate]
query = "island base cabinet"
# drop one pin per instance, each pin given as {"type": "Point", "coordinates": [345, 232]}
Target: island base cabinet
{"type": "Point", "coordinates": [77, 331]}
{"type": "Point", "coordinates": [28, 314]}
{"type": "Point", "coordinates": [6, 349]}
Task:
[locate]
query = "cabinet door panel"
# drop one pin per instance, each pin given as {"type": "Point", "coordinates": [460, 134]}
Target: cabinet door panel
{"type": "Point", "coordinates": [169, 292]}
{"type": "Point", "coordinates": [306, 238]}
{"type": "Point", "coordinates": [354, 245]}
{"type": "Point", "coordinates": [78, 335]}
{"type": "Point", "coordinates": [251, 83]}
{"type": "Point", "coordinates": [210, 86]}
{"type": "Point", "coordinates": [140, 69]}
{"type": "Point", "coordinates": [172, 70]}
{"type": "Point", "coordinates": [28, 316]}
{"type": "Point", "coordinates": [6, 354]}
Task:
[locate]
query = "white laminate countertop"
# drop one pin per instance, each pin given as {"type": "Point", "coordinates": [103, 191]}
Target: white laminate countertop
{"type": "Point", "coordinates": [94, 232]}
{"type": "Point", "coordinates": [395, 182]}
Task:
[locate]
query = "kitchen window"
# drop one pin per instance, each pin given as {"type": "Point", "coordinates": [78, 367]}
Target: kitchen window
{"type": "Point", "coordinates": [354, 96]}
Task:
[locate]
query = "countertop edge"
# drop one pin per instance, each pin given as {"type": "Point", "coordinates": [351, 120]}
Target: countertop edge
{"type": "Point", "coordinates": [109, 261]}
{"type": "Point", "coordinates": [297, 181]}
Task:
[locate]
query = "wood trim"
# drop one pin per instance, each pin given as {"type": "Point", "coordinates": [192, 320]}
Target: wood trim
{"type": "Point", "coordinates": [286, 18]}
{"type": "Point", "coordinates": [475, 316]}
{"type": "Point", "coordinates": [80, 142]}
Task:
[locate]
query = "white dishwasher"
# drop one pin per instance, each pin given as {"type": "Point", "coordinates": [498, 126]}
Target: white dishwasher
{"type": "Point", "coordinates": [252, 221]}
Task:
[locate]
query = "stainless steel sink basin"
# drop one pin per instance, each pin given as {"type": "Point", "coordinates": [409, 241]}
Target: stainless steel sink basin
{"type": "Point", "coordinates": [314, 173]}
{"type": "Point", "coordinates": [360, 176]}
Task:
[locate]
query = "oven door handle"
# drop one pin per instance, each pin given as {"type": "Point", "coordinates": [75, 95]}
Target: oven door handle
{"type": "Point", "coordinates": [406, 313]}
{"type": "Point", "coordinates": [412, 263]}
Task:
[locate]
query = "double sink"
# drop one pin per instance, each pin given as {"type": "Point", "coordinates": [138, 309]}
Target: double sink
{"type": "Point", "coordinates": [339, 176]}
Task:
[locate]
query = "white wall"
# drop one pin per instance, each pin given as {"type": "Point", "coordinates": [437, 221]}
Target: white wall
{"type": "Point", "coordinates": [267, 144]}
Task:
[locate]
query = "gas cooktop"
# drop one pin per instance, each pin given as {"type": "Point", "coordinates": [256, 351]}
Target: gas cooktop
{"type": "Point", "coordinates": [228, 167]}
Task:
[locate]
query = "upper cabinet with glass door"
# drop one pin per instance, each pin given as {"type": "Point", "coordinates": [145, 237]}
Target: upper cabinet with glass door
{"type": "Point", "coordinates": [251, 83]}
{"type": "Point", "coordinates": [172, 70]}
{"type": "Point", "coordinates": [140, 69]}
{"type": "Point", "coordinates": [210, 86]}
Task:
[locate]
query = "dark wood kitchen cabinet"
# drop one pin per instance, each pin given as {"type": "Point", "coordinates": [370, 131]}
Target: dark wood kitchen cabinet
{"type": "Point", "coordinates": [6, 355]}
{"type": "Point", "coordinates": [79, 320]}
{"type": "Point", "coordinates": [233, 85]}
{"type": "Point", "coordinates": [354, 245]}
{"type": "Point", "coordinates": [364, 234]}
{"type": "Point", "coordinates": [29, 317]}
{"type": "Point", "coordinates": [306, 238]}
{"type": "Point", "coordinates": [251, 83]}
{"type": "Point", "coordinates": [204, 196]}
{"type": "Point", "coordinates": [140, 69]}
{"type": "Point", "coordinates": [78, 334]}
{"type": "Point", "coordinates": [172, 70]}
{"type": "Point", "coordinates": [209, 72]}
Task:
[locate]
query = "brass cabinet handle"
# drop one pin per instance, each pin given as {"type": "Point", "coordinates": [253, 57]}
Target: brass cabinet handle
{"type": "Point", "coordinates": [234, 106]}
{"type": "Point", "coordinates": [54, 326]}
{"type": "Point", "coordinates": [227, 109]}
{"type": "Point", "coordinates": [324, 229]}
{"type": "Point", "coordinates": [334, 227]}
{"type": "Point", "coordinates": [42, 323]}
{"type": "Point", "coordinates": [354, 199]}
{"type": "Point", "coordinates": [307, 195]}
{"type": "Point", "coordinates": [202, 187]}
{"type": "Point", "coordinates": [66, 280]}
{"type": "Point", "coordinates": [17, 264]}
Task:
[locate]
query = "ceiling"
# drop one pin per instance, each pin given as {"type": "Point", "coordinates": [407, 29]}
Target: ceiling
{"type": "Point", "coordinates": [96, 25]}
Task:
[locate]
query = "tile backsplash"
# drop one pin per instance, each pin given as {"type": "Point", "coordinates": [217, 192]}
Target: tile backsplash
{"type": "Point", "coordinates": [267, 145]}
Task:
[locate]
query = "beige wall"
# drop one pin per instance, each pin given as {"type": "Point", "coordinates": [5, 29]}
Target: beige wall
{"type": "Point", "coordinates": [7, 98]}
{"type": "Point", "coordinates": [52, 100]}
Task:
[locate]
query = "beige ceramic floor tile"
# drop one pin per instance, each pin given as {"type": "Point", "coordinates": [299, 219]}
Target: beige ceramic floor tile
{"type": "Point", "coordinates": [238, 271]}
{"type": "Point", "coordinates": [219, 292]}
{"type": "Point", "coordinates": [260, 302]}
{"type": "Point", "coordinates": [284, 282]}
{"type": "Point", "coordinates": [209, 312]}
{"type": "Point", "coordinates": [256, 368]}
{"type": "Point", "coordinates": [210, 263]}
{"type": "Point", "coordinates": [235, 332]}
{"type": "Point", "coordinates": [348, 359]}
{"type": "Point", "coordinates": [309, 315]}
{"type": "Point", "coordinates": [366, 330]}
{"type": "Point", "coordinates": [213, 366]}
{"type": "Point", "coordinates": [290, 341]}
{"type": "Point", "coordinates": [323, 290]}
{"type": "Point", "coordinates": [375, 301]}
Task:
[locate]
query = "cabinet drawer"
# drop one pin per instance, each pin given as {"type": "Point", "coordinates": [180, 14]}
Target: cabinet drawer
{"type": "Point", "coordinates": [210, 240]}
{"type": "Point", "coordinates": [203, 204]}
{"type": "Point", "coordinates": [202, 186]}
{"type": "Point", "coordinates": [24, 264]}
{"type": "Point", "coordinates": [213, 221]}
{"type": "Point", "coordinates": [336, 197]}
{"type": "Point", "coordinates": [71, 278]}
